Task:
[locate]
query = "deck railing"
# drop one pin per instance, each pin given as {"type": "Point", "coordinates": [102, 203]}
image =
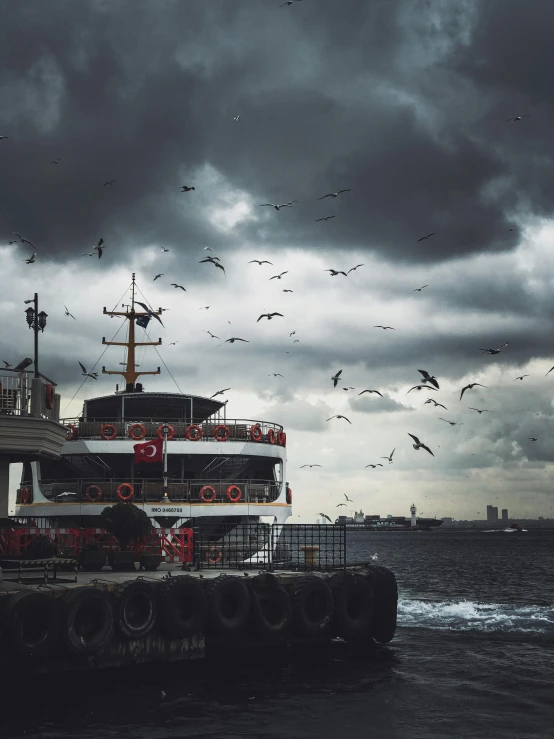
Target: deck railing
{"type": "Point", "coordinates": [87, 490]}
{"type": "Point", "coordinates": [229, 430]}
{"type": "Point", "coordinates": [15, 394]}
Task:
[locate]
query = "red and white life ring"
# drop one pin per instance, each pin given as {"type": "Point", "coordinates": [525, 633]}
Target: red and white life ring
{"type": "Point", "coordinates": [289, 496]}
{"type": "Point", "coordinates": [281, 438]}
{"type": "Point", "coordinates": [207, 494]}
{"type": "Point", "coordinates": [170, 435]}
{"type": "Point", "coordinates": [49, 397]}
{"type": "Point", "coordinates": [141, 431]}
{"type": "Point", "coordinates": [214, 555]}
{"type": "Point", "coordinates": [108, 427]}
{"type": "Point", "coordinates": [271, 436]}
{"type": "Point", "coordinates": [193, 427]}
{"type": "Point", "coordinates": [234, 498]}
{"type": "Point", "coordinates": [226, 433]}
{"type": "Point", "coordinates": [71, 432]}
{"type": "Point", "coordinates": [93, 493]}
{"type": "Point", "coordinates": [256, 433]}
{"type": "Point", "coordinates": [130, 491]}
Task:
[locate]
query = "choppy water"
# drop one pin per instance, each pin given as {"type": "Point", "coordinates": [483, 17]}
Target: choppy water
{"type": "Point", "coordinates": [473, 657]}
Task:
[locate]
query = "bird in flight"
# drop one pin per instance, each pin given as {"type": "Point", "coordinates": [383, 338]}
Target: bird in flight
{"type": "Point", "coordinates": [260, 262]}
{"type": "Point", "coordinates": [56, 161]}
{"type": "Point", "coordinates": [390, 456]}
{"type": "Point", "coordinates": [335, 272]}
{"type": "Point", "coordinates": [421, 387]}
{"type": "Point", "coordinates": [335, 378]}
{"type": "Point", "coordinates": [354, 268]}
{"type": "Point", "coordinates": [278, 277]}
{"type": "Point", "coordinates": [275, 374]}
{"type": "Point", "coordinates": [288, 291]}
{"type": "Point", "coordinates": [310, 466]}
{"type": "Point", "coordinates": [426, 237]}
{"type": "Point", "coordinates": [165, 250]}
{"type": "Point", "coordinates": [109, 182]}
{"type": "Point", "coordinates": [532, 438]}
{"type": "Point", "coordinates": [419, 445]}
{"type": "Point", "coordinates": [269, 316]}
{"type": "Point", "coordinates": [323, 515]}
{"type": "Point", "coordinates": [23, 241]}
{"type": "Point", "coordinates": [236, 117]}
{"type": "Point", "coordinates": [3, 137]}
{"type": "Point", "coordinates": [204, 307]}
{"type": "Point", "coordinates": [6, 364]}
{"type": "Point", "coordinates": [518, 118]}
{"type": "Point", "coordinates": [549, 371]}
{"type": "Point", "coordinates": [233, 339]}
{"type": "Point", "coordinates": [172, 343]}
{"type": "Point", "coordinates": [157, 276]}
{"type": "Point", "coordinates": [370, 391]}
{"type": "Point", "coordinates": [214, 261]}
{"type": "Point", "coordinates": [150, 312]}
{"type": "Point", "coordinates": [340, 504]}
{"type": "Point", "coordinates": [296, 341]}
{"type": "Point", "coordinates": [213, 336]}
{"type": "Point", "coordinates": [470, 387]}
{"type": "Point", "coordinates": [494, 351]}
{"type": "Point", "coordinates": [347, 498]}
{"type": "Point", "coordinates": [100, 248]}
{"type": "Point", "coordinates": [175, 285]}
{"type": "Point", "coordinates": [429, 378]}
{"type": "Point", "coordinates": [432, 400]}
{"type": "Point", "coordinates": [419, 289]}
{"type": "Point", "coordinates": [208, 248]}
{"type": "Point", "coordinates": [374, 465]}
{"type": "Point", "coordinates": [292, 333]}
{"type": "Point", "coordinates": [67, 313]}
{"type": "Point", "coordinates": [277, 207]}
{"type": "Point", "coordinates": [349, 388]}
{"type": "Point", "coordinates": [334, 194]}
{"type": "Point", "coordinates": [220, 392]}
{"type": "Point", "coordinates": [186, 188]}
{"type": "Point", "coordinates": [521, 377]}
{"type": "Point", "coordinates": [31, 259]}
{"type": "Point", "coordinates": [344, 417]}
{"type": "Point", "coordinates": [385, 327]}
{"type": "Point", "coordinates": [93, 375]}
{"type": "Point", "coordinates": [482, 410]}
{"type": "Point", "coordinates": [325, 218]}
{"type": "Point", "coordinates": [452, 423]}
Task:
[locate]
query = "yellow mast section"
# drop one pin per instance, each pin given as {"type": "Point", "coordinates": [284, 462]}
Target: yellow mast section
{"type": "Point", "coordinates": [129, 373]}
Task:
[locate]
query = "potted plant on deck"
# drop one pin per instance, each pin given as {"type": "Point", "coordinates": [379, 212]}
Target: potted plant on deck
{"type": "Point", "coordinates": [130, 526]}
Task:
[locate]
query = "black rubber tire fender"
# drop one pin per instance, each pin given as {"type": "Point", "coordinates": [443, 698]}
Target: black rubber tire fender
{"type": "Point", "coordinates": [183, 606]}
{"type": "Point", "coordinates": [353, 605]}
{"type": "Point", "coordinates": [87, 620]}
{"type": "Point", "coordinates": [271, 606]}
{"type": "Point", "coordinates": [228, 604]}
{"type": "Point", "coordinates": [30, 623]}
{"type": "Point", "coordinates": [312, 605]}
{"type": "Point", "coordinates": [385, 594]}
{"type": "Point", "coordinates": [135, 608]}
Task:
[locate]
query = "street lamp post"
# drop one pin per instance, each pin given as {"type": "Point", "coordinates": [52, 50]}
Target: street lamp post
{"type": "Point", "coordinates": [36, 321]}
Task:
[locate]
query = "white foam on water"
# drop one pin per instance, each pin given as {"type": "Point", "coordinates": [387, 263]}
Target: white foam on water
{"type": "Point", "coordinates": [465, 615]}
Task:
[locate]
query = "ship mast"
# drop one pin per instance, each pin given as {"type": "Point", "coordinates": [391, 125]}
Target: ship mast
{"type": "Point", "coordinates": [129, 373]}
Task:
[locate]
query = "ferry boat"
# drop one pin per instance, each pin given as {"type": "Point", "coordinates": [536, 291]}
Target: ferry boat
{"type": "Point", "coordinates": [217, 471]}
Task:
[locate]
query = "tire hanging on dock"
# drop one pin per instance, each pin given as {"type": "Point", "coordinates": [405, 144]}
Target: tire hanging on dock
{"type": "Point", "coordinates": [183, 606]}
{"type": "Point", "coordinates": [30, 623]}
{"type": "Point", "coordinates": [353, 605]}
{"type": "Point", "coordinates": [136, 608]}
{"type": "Point", "coordinates": [87, 620]}
{"type": "Point", "coordinates": [271, 606]}
{"type": "Point", "coordinates": [228, 605]}
{"type": "Point", "coordinates": [312, 605]}
{"type": "Point", "coordinates": [385, 593]}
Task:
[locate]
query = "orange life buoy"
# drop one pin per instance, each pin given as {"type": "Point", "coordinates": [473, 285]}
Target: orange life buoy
{"type": "Point", "coordinates": [125, 486]}
{"type": "Point", "coordinates": [271, 436]}
{"type": "Point", "coordinates": [289, 496]}
{"type": "Point", "coordinates": [170, 435]}
{"type": "Point", "coordinates": [214, 555]}
{"type": "Point", "coordinates": [49, 397]}
{"type": "Point", "coordinates": [196, 428]}
{"type": "Point", "coordinates": [141, 429]}
{"type": "Point", "coordinates": [226, 433]}
{"type": "Point", "coordinates": [281, 438]}
{"type": "Point", "coordinates": [256, 433]}
{"type": "Point", "coordinates": [25, 495]}
{"type": "Point", "coordinates": [90, 491]}
{"type": "Point", "coordinates": [231, 497]}
{"type": "Point", "coordinates": [108, 427]}
{"type": "Point", "coordinates": [71, 432]}
{"type": "Point", "coordinates": [211, 494]}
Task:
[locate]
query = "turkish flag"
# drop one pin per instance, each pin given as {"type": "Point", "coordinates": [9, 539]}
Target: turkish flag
{"type": "Point", "coordinates": [149, 451]}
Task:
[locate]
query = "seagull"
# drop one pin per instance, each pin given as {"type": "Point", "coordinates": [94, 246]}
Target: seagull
{"type": "Point", "coordinates": [370, 391]}
{"type": "Point", "coordinates": [419, 445]}
{"type": "Point", "coordinates": [208, 248]}
{"type": "Point", "coordinates": [292, 333]}
{"type": "Point", "coordinates": [109, 182]}
{"type": "Point", "coordinates": [521, 377]}
{"type": "Point", "coordinates": [349, 388]}
{"type": "Point", "coordinates": [220, 392]}
{"type": "Point", "coordinates": [347, 498]}
{"type": "Point", "coordinates": [340, 504]}
{"type": "Point", "coordinates": [310, 466]}
{"type": "Point", "coordinates": [87, 255]}
{"type": "Point", "coordinates": [260, 262]}
{"type": "Point", "coordinates": [432, 400]}
{"type": "Point", "coordinates": [344, 417]}
{"type": "Point", "coordinates": [213, 336]}
{"type": "Point", "coordinates": [336, 377]}
{"type": "Point", "coordinates": [204, 307]}
{"type": "Point", "coordinates": [549, 371]}
{"type": "Point", "coordinates": [67, 313]}
{"type": "Point", "coordinates": [390, 456]}
{"type": "Point", "coordinates": [288, 291]}
{"type": "Point", "coordinates": [482, 410]}
{"type": "Point", "coordinates": [429, 378]}
{"type": "Point", "coordinates": [149, 311]}
{"type": "Point", "coordinates": [321, 514]}
{"type": "Point", "coordinates": [277, 207]}
{"type": "Point", "coordinates": [175, 285]}
{"type": "Point", "coordinates": [335, 272]}
{"type": "Point", "coordinates": [296, 341]}
{"type": "Point", "coordinates": [532, 438]}
{"type": "Point", "coordinates": [419, 289]}
{"type": "Point", "coordinates": [235, 338]}
{"type": "Point", "coordinates": [157, 276]}
{"type": "Point", "coordinates": [385, 327]}
{"type": "Point", "coordinates": [6, 364]}
{"type": "Point", "coordinates": [373, 465]}
{"type": "Point", "coordinates": [452, 423]}
{"type": "Point", "coordinates": [426, 237]}
{"type": "Point", "coordinates": [100, 248]}
{"type": "Point", "coordinates": [56, 161]}
{"type": "Point", "coordinates": [172, 343]}
{"type": "Point", "coordinates": [11, 242]}
{"type": "Point", "coordinates": [494, 351]}
{"type": "Point", "coordinates": [165, 250]}
{"type": "Point", "coordinates": [269, 316]}
{"type": "Point", "coordinates": [470, 387]}
{"type": "Point", "coordinates": [278, 277]}
{"type": "Point", "coordinates": [334, 194]}
{"type": "Point", "coordinates": [325, 218]}
{"type": "Point", "coordinates": [186, 188]}
{"type": "Point", "coordinates": [422, 387]}
{"type": "Point", "coordinates": [353, 268]}
{"type": "Point", "coordinates": [3, 137]}
{"type": "Point", "coordinates": [275, 374]}
{"type": "Point", "coordinates": [236, 117]}
{"type": "Point", "coordinates": [212, 260]}
{"type": "Point", "coordinates": [518, 118]}
{"type": "Point", "coordinates": [93, 375]}
{"type": "Point", "coordinates": [31, 260]}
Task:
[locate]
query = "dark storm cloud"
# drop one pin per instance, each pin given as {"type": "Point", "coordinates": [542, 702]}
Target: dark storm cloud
{"type": "Point", "coordinates": [375, 404]}
{"type": "Point", "coordinates": [145, 94]}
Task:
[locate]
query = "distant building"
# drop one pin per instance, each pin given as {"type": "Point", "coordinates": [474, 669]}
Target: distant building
{"type": "Point", "coordinates": [492, 514]}
{"type": "Point", "coordinates": [504, 515]}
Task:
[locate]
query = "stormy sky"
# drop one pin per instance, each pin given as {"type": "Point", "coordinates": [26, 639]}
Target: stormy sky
{"type": "Point", "coordinates": [403, 103]}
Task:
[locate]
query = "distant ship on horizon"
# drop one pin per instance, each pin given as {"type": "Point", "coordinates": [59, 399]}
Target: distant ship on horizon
{"type": "Point", "coordinates": [389, 523]}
